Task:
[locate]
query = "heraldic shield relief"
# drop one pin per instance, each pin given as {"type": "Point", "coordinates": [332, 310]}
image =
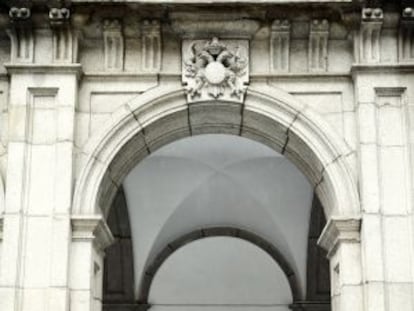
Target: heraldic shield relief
{"type": "Point", "coordinates": [215, 69]}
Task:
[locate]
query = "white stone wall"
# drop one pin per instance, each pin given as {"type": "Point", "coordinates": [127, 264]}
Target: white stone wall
{"type": "Point", "coordinates": [87, 91]}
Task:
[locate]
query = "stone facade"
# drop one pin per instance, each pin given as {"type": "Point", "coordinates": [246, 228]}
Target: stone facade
{"type": "Point", "coordinates": [90, 88]}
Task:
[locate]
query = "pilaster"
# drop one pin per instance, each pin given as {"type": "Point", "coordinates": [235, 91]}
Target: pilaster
{"type": "Point", "coordinates": [90, 236]}
{"type": "Point", "coordinates": [341, 239]}
{"type": "Point", "coordinates": [385, 187]}
{"type": "Point", "coordinates": [42, 101]}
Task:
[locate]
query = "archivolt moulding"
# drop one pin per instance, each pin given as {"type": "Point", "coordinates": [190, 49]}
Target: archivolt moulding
{"type": "Point", "coordinates": [268, 115]}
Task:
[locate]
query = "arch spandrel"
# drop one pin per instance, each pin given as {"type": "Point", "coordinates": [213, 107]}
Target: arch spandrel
{"type": "Point", "coordinates": [268, 115]}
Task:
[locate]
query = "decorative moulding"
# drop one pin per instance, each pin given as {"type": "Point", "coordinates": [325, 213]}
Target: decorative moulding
{"type": "Point", "coordinates": [19, 13]}
{"type": "Point", "coordinates": [390, 68]}
{"type": "Point", "coordinates": [222, 25]}
{"type": "Point", "coordinates": [113, 44]}
{"type": "Point", "coordinates": [91, 228]}
{"type": "Point", "coordinates": [58, 16]}
{"type": "Point", "coordinates": [406, 36]}
{"type": "Point", "coordinates": [318, 45]}
{"type": "Point", "coordinates": [22, 42]}
{"type": "Point", "coordinates": [372, 14]}
{"type": "Point", "coordinates": [337, 230]}
{"type": "Point", "coordinates": [408, 13]}
{"type": "Point", "coordinates": [215, 70]}
{"type": "Point", "coordinates": [370, 35]}
{"type": "Point", "coordinates": [151, 45]}
{"type": "Point", "coordinates": [45, 69]}
{"type": "Point", "coordinates": [280, 45]}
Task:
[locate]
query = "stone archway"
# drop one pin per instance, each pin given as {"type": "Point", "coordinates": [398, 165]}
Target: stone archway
{"type": "Point", "coordinates": [268, 115]}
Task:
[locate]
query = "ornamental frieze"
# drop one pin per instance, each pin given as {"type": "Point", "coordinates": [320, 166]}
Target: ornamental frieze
{"type": "Point", "coordinates": [215, 69]}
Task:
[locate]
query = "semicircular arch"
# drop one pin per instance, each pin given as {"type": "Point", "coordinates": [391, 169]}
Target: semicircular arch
{"type": "Point", "coordinates": [268, 115]}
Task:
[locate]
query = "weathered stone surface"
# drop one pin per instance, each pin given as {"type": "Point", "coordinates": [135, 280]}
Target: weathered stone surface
{"type": "Point", "coordinates": [90, 88]}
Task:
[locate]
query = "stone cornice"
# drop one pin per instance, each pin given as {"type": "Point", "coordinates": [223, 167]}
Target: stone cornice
{"type": "Point", "coordinates": [227, 25]}
{"type": "Point", "coordinates": [44, 69]}
{"type": "Point", "coordinates": [298, 75]}
{"type": "Point", "coordinates": [385, 68]}
{"type": "Point", "coordinates": [338, 230]}
{"type": "Point", "coordinates": [91, 228]}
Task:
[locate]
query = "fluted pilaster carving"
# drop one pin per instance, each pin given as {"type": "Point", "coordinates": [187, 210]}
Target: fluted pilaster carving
{"type": "Point", "coordinates": [280, 46]}
{"type": "Point", "coordinates": [21, 35]}
{"type": "Point", "coordinates": [65, 38]}
{"type": "Point", "coordinates": [368, 39]}
{"type": "Point", "coordinates": [114, 44]}
{"type": "Point", "coordinates": [318, 45]}
{"type": "Point", "coordinates": [406, 36]}
{"type": "Point", "coordinates": [151, 45]}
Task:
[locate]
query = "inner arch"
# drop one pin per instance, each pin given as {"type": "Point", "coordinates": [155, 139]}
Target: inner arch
{"type": "Point", "coordinates": [156, 266]}
{"type": "Point", "coordinates": [220, 272]}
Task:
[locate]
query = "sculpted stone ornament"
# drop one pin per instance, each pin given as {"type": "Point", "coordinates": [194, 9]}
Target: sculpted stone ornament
{"type": "Point", "coordinates": [58, 16]}
{"type": "Point", "coordinates": [19, 14]}
{"type": "Point", "coordinates": [215, 70]}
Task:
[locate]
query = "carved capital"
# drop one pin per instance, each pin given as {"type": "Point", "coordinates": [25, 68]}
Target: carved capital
{"type": "Point", "coordinates": [91, 228]}
{"type": "Point", "coordinates": [339, 230]}
{"type": "Point", "coordinates": [215, 70]}
{"type": "Point", "coordinates": [19, 14]}
{"type": "Point", "coordinates": [112, 25]}
{"type": "Point", "coordinates": [59, 16]}
{"type": "Point", "coordinates": [372, 15]}
{"type": "Point", "coordinates": [408, 13]}
{"type": "Point", "coordinates": [279, 25]}
{"type": "Point", "coordinates": [319, 25]}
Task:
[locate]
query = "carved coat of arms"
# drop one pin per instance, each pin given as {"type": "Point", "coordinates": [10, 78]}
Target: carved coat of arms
{"type": "Point", "coordinates": [215, 70]}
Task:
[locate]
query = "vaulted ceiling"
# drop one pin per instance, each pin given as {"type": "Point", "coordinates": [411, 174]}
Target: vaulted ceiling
{"type": "Point", "coordinates": [218, 180]}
